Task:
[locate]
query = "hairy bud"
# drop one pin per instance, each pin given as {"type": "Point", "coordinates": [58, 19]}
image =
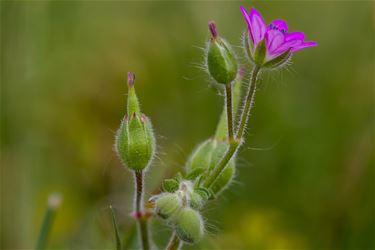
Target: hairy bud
{"type": "Point", "coordinates": [204, 159]}
{"type": "Point", "coordinates": [135, 141]}
{"type": "Point", "coordinates": [221, 60]}
{"type": "Point", "coordinates": [189, 225]}
{"type": "Point", "coordinates": [167, 204]}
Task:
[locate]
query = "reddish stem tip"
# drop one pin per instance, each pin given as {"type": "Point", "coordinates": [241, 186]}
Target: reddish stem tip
{"type": "Point", "coordinates": [131, 78]}
{"type": "Point", "coordinates": [213, 30]}
{"type": "Point", "coordinates": [242, 71]}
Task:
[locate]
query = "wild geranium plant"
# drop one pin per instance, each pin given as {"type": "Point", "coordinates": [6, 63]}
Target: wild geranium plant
{"type": "Point", "coordinates": [211, 167]}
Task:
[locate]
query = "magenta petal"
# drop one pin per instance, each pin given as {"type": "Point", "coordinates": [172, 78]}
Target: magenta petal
{"type": "Point", "coordinates": [287, 45]}
{"type": "Point", "coordinates": [258, 26]}
{"type": "Point", "coordinates": [248, 21]}
{"type": "Point", "coordinates": [304, 45]}
{"type": "Point", "coordinates": [274, 39]}
{"type": "Point", "coordinates": [294, 36]}
{"type": "Point", "coordinates": [280, 25]}
{"type": "Point", "coordinates": [246, 15]}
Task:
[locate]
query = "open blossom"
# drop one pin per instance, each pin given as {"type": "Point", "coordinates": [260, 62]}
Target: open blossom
{"type": "Point", "coordinates": [271, 41]}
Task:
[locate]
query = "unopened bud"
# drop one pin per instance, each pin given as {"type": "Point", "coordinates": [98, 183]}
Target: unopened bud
{"type": "Point", "coordinates": [197, 199]}
{"type": "Point", "coordinates": [221, 60]}
{"type": "Point", "coordinates": [225, 178]}
{"type": "Point", "coordinates": [166, 205]}
{"type": "Point", "coordinates": [189, 225]}
{"type": "Point", "coordinates": [135, 141]}
{"type": "Point", "coordinates": [201, 156]}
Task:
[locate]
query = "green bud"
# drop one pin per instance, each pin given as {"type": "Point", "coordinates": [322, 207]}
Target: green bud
{"type": "Point", "coordinates": [201, 156]}
{"type": "Point", "coordinates": [189, 225]}
{"type": "Point", "coordinates": [198, 199]}
{"type": "Point", "coordinates": [205, 158]}
{"type": "Point", "coordinates": [135, 141]}
{"type": "Point", "coordinates": [166, 205]}
{"type": "Point", "coordinates": [224, 179]}
{"type": "Point", "coordinates": [221, 59]}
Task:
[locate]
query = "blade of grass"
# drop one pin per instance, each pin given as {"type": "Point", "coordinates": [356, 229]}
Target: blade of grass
{"type": "Point", "coordinates": [115, 227]}
{"type": "Point", "coordinates": [54, 201]}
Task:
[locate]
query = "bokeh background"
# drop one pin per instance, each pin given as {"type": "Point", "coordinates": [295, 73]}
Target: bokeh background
{"type": "Point", "coordinates": [305, 176]}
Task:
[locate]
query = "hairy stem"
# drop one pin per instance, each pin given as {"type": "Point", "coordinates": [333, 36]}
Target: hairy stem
{"type": "Point", "coordinates": [248, 103]}
{"type": "Point", "coordinates": [174, 243]}
{"type": "Point", "coordinates": [228, 100]}
{"type": "Point", "coordinates": [235, 144]}
{"type": "Point", "coordinates": [139, 213]}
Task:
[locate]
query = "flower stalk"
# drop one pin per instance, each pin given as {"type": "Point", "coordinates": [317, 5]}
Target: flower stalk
{"type": "Point", "coordinates": [250, 97]}
{"type": "Point", "coordinates": [139, 213]}
{"type": "Point", "coordinates": [236, 143]}
{"type": "Point", "coordinates": [174, 243]}
{"type": "Point", "coordinates": [228, 100]}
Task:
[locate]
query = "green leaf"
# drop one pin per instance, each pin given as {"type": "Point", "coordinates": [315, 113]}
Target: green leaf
{"type": "Point", "coordinates": [204, 192]}
{"type": "Point", "coordinates": [260, 52]}
{"type": "Point", "coordinates": [170, 185]}
{"type": "Point", "coordinates": [279, 60]}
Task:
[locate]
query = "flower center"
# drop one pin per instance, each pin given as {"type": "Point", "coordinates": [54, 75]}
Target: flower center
{"type": "Point", "coordinates": [274, 27]}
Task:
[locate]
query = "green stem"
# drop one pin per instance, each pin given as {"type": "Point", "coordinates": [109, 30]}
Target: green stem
{"type": "Point", "coordinates": [228, 100]}
{"type": "Point", "coordinates": [248, 103]}
{"type": "Point", "coordinates": [221, 165]}
{"type": "Point", "coordinates": [174, 243]}
{"type": "Point", "coordinates": [139, 213]}
{"type": "Point", "coordinates": [235, 144]}
{"type": "Point", "coordinates": [49, 216]}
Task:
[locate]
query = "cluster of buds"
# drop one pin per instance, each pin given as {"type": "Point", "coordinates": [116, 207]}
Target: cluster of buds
{"type": "Point", "coordinates": [180, 208]}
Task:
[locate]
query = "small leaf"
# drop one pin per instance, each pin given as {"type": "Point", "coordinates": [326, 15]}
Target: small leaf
{"type": "Point", "coordinates": [115, 227]}
{"type": "Point", "coordinates": [178, 177]}
{"type": "Point", "coordinates": [260, 52]}
{"type": "Point", "coordinates": [279, 60]}
{"type": "Point", "coordinates": [170, 185]}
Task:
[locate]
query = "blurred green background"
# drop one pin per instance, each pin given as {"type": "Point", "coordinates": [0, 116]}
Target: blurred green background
{"type": "Point", "coordinates": [305, 176]}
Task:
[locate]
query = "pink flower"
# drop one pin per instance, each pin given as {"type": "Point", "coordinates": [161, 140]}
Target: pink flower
{"type": "Point", "coordinates": [275, 37]}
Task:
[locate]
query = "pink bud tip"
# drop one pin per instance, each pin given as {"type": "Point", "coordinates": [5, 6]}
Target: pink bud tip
{"type": "Point", "coordinates": [131, 78]}
{"type": "Point", "coordinates": [212, 27]}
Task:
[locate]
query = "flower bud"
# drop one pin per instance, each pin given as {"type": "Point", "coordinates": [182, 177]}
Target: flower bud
{"type": "Point", "coordinates": [225, 178]}
{"type": "Point", "coordinates": [221, 60]}
{"type": "Point", "coordinates": [167, 204]}
{"type": "Point", "coordinates": [135, 141]}
{"type": "Point", "coordinates": [189, 225]}
{"type": "Point", "coordinates": [201, 156]}
{"type": "Point", "coordinates": [204, 159]}
{"type": "Point", "coordinates": [197, 199]}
